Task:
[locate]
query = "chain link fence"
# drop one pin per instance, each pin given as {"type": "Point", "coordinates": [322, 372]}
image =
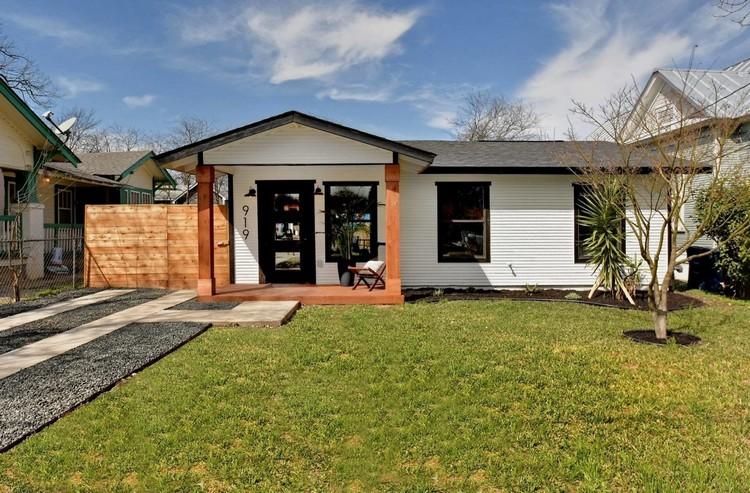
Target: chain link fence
{"type": "Point", "coordinates": [31, 268]}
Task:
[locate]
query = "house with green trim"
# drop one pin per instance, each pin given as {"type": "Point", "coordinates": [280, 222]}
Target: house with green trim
{"type": "Point", "coordinates": [137, 175]}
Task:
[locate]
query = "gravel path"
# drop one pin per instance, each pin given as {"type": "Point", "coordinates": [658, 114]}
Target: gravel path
{"type": "Point", "coordinates": [25, 306]}
{"type": "Point", "coordinates": [37, 396]}
{"type": "Point", "coordinates": [206, 305]}
{"type": "Point", "coordinates": [34, 331]}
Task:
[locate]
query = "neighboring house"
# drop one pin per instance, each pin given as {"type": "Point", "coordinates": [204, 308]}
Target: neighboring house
{"type": "Point", "coordinates": [189, 196]}
{"type": "Point", "coordinates": [696, 98]}
{"type": "Point", "coordinates": [135, 171]}
{"type": "Point", "coordinates": [27, 144]}
{"type": "Point", "coordinates": [440, 213]}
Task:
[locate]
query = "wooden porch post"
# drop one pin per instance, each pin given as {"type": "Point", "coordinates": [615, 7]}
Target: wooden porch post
{"type": "Point", "coordinates": [206, 277]}
{"type": "Point", "coordinates": [392, 228]}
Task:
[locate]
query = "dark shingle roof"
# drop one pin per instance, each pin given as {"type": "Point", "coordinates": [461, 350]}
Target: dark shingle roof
{"type": "Point", "coordinates": [518, 154]}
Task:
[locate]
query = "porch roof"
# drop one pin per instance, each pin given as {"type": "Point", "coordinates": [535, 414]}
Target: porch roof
{"type": "Point", "coordinates": [285, 119]}
{"type": "Point", "coordinates": [75, 174]}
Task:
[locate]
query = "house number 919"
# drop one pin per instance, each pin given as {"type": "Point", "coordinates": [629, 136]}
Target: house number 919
{"type": "Point", "coordinates": [245, 232]}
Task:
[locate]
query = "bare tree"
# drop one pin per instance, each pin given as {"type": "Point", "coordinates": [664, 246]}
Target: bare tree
{"type": "Point", "coordinates": [86, 123]}
{"type": "Point", "coordinates": [483, 116]}
{"type": "Point", "coordinates": [188, 130]}
{"type": "Point", "coordinates": [87, 135]}
{"type": "Point", "coordinates": [665, 156]}
{"type": "Point", "coordinates": [125, 139]}
{"type": "Point", "coordinates": [23, 76]}
{"type": "Point", "coordinates": [736, 10]}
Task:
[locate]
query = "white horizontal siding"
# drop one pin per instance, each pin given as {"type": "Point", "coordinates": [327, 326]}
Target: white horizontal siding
{"type": "Point", "coordinates": [296, 144]}
{"type": "Point", "coordinates": [246, 250]}
{"type": "Point", "coordinates": [16, 151]}
{"type": "Point", "coordinates": [531, 234]}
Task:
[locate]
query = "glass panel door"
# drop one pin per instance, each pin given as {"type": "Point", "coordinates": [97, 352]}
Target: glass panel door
{"type": "Point", "coordinates": [286, 231]}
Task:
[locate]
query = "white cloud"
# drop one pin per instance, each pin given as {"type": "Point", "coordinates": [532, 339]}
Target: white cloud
{"type": "Point", "coordinates": [139, 101]}
{"type": "Point", "coordinates": [610, 43]}
{"type": "Point", "coordinates": [49, 27]}
{"type": "Point", "coordinates": [436, 103]}
{"type": "Point", "coordinates": [73, 86]}
{"type": "Point", "coordinates": [291, 42]}
{"type": "Point", "coordinates": [357, 92]}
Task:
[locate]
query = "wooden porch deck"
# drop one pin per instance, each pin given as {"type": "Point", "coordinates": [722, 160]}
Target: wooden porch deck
{"type": "Point", "coordinates": [306, 294]}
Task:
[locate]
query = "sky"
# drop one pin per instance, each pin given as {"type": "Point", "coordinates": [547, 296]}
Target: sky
{"type": "Point", "coordinates": [398, 69]}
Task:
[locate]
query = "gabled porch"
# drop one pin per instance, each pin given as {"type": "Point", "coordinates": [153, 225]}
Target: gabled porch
{"type": "Point", "coordinates": [287, 178]}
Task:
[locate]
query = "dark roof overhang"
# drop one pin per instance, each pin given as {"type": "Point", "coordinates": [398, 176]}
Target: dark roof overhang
{"type": "Point", "coordinates": [285, 119]}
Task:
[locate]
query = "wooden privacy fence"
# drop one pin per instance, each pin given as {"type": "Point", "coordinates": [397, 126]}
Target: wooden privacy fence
{"type": "Point", "coordinates": [149, 246]}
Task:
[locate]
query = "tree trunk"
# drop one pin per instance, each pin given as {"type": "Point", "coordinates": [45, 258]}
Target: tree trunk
{"type": "Point", "coordinates": [660, 311]}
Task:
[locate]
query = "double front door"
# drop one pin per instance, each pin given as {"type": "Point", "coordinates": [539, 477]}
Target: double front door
{"type": "Point", "coordinates": [286, 231]}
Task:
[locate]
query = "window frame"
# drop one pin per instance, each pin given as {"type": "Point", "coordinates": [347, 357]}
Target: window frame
{"type": "Point", "coordinates": [486, 221]}
{"type": "Point", "coordinates": [59, 193]}
{"type": "Point", "coordinates": [11, 194]}
{"type": "Point", "coordinates": [373, 218]}
{"type": "Point", "coordinates": [578, 256]}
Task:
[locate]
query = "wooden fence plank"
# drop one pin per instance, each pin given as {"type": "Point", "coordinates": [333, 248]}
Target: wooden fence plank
{"type": "Point", "coordinates": [149, 246]}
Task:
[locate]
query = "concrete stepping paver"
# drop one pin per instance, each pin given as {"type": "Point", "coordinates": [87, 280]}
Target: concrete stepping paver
{"type": "Point", "coordinates": [58, 308]}
{"type": "Point", "coordinates": [31, 354]}
{"type": "Point", "coordinates": [249, 313]}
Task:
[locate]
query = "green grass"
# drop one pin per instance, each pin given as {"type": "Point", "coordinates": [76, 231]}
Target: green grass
{"type": "Point", "coordinates": [467, 396]}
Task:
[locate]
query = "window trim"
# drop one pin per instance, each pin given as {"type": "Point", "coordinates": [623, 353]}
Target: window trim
{"type": "Point", "coordinates": [11, 194]}
{"type": "Point", "coordinates": [373, 220]}
{"type": "Point", "coordinates": [578, 258]}
{"type": "Point", "coordinates": [59, 191]}
{"type": "Point", "coordinates": [487, 222]}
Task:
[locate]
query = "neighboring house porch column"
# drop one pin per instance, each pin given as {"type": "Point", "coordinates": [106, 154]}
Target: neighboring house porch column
{"type": "Point", "coordinates": [392, 228]}
{"type": "Point", "coordinates": [31, 211]}
{"type": "Point", "coordinates": [206, 277]}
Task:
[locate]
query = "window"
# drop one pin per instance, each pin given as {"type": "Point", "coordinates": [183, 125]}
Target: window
{"type": "Point", "coordinates": [135, 197]}
{"type": "Point", "coordinates": [64, 205]}
{"type": "Point", "coordinates": [11, 195]}
{"type": "Point", "coordinates": [351, 212]}
{"type": "Point", "coordinates": [582, 232]}
{"type": "Point", "coordinates": [145, 198]}
{"type": "Point", "coordinates": [463, 222]}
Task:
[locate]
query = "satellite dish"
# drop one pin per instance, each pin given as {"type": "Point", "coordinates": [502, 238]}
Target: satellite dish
{"type": "Point", "coordinates": [65, 126]}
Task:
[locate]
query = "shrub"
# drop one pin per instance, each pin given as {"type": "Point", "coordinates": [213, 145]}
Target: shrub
{"type": "Point", "coordinates": [724, 208]}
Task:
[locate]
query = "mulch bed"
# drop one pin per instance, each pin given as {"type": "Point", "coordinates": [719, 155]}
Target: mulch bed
{"type": "Point", "coordinates": [39, 329]}
{"type": "Point", "coordinates": [36, 396]}
{"type": "Point", "coordinates": [649, 337]}
{"type": "Point", "coordinates": [194, 304]}
{"type": "Point", "coordinates": [677, 301]}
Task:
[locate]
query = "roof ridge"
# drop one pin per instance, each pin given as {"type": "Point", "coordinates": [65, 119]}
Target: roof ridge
{"type": "Point", "coordinates": [704, 70]}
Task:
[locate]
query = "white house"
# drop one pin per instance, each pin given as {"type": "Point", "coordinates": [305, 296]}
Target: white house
{"type": "Point", "coordinates": [696, 98]}
{"type": "Point", "coordinates": [440, 213]}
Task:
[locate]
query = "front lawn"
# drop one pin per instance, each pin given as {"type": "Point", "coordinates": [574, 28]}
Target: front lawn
{"type": "Point", "coordinates": [474, 395]}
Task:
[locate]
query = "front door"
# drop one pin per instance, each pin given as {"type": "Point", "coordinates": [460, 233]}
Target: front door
{"type": "Point", "coordinates": [286, 231]}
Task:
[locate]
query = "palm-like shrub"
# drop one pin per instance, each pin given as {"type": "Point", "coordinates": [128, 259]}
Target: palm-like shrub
{"type": "Point", "coordinates": [602, 213]}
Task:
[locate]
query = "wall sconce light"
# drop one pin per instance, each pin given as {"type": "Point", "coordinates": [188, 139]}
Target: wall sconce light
{"type": "Point", "coordinates": [318, 191]}
{"type": "Point", "coordinates": [250, 193]}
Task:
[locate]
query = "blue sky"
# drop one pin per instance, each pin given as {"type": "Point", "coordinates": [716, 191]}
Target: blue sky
{"type": "Point", "coordinates": [394, 68]}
